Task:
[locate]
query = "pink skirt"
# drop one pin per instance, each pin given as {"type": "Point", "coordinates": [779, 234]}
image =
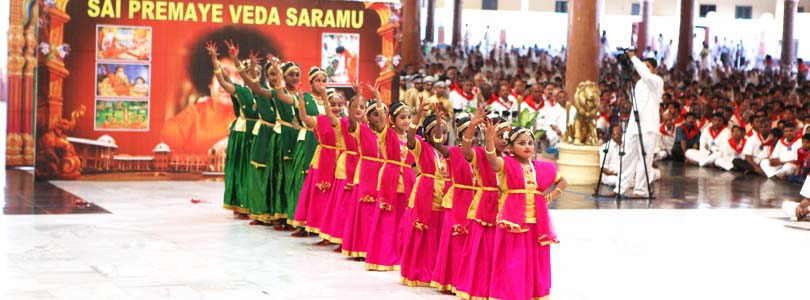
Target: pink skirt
{"type": "Point", "coordinates": [419, 248]}
{"type": "Point", "coordinates": [521, 267]}
{"type": "Point", "coordinates": [333, 217]}
{"type": "Point", "coordinates": [308, 211]}
{"type": "Point", "coordinates": [359, 216]}
{"type": "Point", "coordinates": [384, 248]}
{"type": "Point", "coordinates": [448, 259]}
{"type": "Point", "coordinates": [475, 268]}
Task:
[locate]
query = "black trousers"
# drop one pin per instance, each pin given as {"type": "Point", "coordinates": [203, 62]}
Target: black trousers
{"type": "Point", "coordinates": [743, 165]}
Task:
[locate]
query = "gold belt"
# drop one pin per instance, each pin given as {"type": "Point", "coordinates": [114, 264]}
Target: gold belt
{"type": "Point", "coordinates": [433, 176]}
{"type": "Point", "coordinates": [488, 189]}
{"type": "Point", "coordinates": [332, 147]}
{"type": "Point", "coordinates": [266, 123]}
{"type": "Point", "coordinates": [372, 159]}
{"type": "Point", "coordinates": [464, 186]}
{"type": "Point", "coordinates": [398, 163]}
{"type": "Point", "coordinates": [523, 191]}
{"type": "Point", "coordinates": [288, 124]}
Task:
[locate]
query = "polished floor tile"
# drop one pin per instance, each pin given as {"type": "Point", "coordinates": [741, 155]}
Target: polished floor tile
{"type": "Point", "coordinates": [24, 196]}
{"type": "Point", "coordinates": [157, 244]}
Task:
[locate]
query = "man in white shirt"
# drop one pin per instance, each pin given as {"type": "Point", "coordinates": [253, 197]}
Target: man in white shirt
{"type": "Point", "coordinates": [503, 104]}
{"type": "Point", "coordinates": [711, 141]}
{"type": "Point", "coordinates": [462, 98]}
{"type": "Point", "coordinates": [663, 148]}
{"type": "Point", "coordinates": [648, 92]}
{"type": "Point", "coordinates": [731, 150]}
{"type": "Point", "coordinates": [611, 161]}
{"type": "Point", "coordinates": [757, 148]}
{"type": "Point", "coordinates": [783, 160]}
{"type": "Point", "coordinates": [550, 118]}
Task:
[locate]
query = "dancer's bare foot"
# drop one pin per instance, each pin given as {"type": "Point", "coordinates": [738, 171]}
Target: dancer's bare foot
{"type": "Point", "coordinates": [300, 233]}
{"type": "Point", "coordinates": [322, 243]}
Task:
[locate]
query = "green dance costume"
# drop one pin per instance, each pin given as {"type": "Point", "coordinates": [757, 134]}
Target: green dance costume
{"type": "Point", "coordinates": [303, 152]}
{"type": "Point", "coordinates": [238, 152]}
{"type": "Point", "coordinates": [265, 160]}
{"type": "Point", "coordinates": [286, 143]}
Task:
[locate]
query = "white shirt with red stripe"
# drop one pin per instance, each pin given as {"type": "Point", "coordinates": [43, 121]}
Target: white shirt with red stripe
{"type": "Point", "coordinates": [713, 140]}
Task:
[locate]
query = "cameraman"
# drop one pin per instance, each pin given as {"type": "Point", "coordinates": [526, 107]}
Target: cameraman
{"type": "Point", "coordinates": [648, 92]}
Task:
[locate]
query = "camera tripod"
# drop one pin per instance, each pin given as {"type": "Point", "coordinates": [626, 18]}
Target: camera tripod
{"type": "Point", "coordinates": [626, 85]}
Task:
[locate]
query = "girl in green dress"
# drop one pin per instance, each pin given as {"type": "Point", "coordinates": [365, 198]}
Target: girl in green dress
{"type": "Point", "coordinates": [306, 144]}
{"type": "Point", "coordinates": [234, 192]}
{"type": "Point", "coordinates": [265, 158]}
{"type": "Point", "coordinates": [288, 129]}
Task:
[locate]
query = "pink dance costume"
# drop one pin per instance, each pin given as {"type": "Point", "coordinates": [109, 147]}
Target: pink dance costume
{"type": "Point", "coordinates": [334, 217]}
{"type": "Point", "coordinates": [318, 183]}
{"type": "Point", "coordinates": [363, 199]}
{"type": "Point", "coordinates": [423, 218]}
{"type": "Point", "coordinates": [394, 184]}
{"type": "Point", "coordinates": [475, 268]}
{"type": "Point", "coordinates": [521, 265]}
{"type": "Point", "coordinates": [455, 225]}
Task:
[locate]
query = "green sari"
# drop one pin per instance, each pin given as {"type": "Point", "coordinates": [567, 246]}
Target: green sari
{"type": "Point", "coordinates": [238, 152]}
{"type": "Point", "coordinates": [302, 154]}
{"type": "Point", "coordinates": [287, 135]}
{"type": "Point", "coordinates": [265, 160]}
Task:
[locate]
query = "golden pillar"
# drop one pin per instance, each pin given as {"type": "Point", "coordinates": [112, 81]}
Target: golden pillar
{"type": "Point", "coordinates": [16, 61]}
{"type": "Point", "coordinates": [27, 107]}
{"type": "Point", "coordinates": [411, 45]}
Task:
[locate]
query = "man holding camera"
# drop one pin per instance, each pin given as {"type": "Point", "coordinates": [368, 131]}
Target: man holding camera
{"type": "Point", "coordinates": [648, 92]}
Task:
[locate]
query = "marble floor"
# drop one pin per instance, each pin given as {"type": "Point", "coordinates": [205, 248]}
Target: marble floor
{"type": "Point", "coordinates": [157, 244]}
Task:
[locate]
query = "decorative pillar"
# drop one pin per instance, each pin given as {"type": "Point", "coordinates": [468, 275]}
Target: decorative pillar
{"type": "Point", "coordinates": [27, 111]}
{"type": "Point", "coordinates": [390, 48]}
{"type": "Point", "coordinates": [644, 27]}
{"type": "Point", "coordinates": [457, 8]}
{"type": "Point", "coordinates": [429, 24]}
{"type": "Point", "coordinates": [582, 58]}
{"type": "Point", "coordinates": [787, 58]}
{"type": "Point", "coordinates": [411, 44]}
{"type": "Point", "coordinates": [16, 61]}
{"type": "Point", "coordinates": [685, 35]}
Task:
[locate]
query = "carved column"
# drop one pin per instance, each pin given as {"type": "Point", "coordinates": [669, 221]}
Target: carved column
{"type": "Point", "coordinates": [16, 61]}
{"type": "Point", "coordinates": [27, 111]}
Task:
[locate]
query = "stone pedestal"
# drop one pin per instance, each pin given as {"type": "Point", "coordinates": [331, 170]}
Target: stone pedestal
{"type": "Point", "coordinates": [579, 164]}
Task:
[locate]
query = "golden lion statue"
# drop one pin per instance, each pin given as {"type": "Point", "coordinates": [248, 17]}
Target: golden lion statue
{"type": "Point", "coordinates": [582, 131]}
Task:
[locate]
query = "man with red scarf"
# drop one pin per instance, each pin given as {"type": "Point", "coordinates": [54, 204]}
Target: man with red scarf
{"type": "Point", "coordinates": [663, 148]}
{"type": "Point", "coordinates": [784, 158]}
{"type": "Point", "coordinates": [711, 141]}
{"type": "Point", "coordinates": [757, 148]}
{"type": "Point", "coordinates": [732, 149]}
{"type": "Point", "coordinates": [687, 136]}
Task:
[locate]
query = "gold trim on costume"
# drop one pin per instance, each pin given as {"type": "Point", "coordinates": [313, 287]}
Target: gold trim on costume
{"type": "Point", "coordinates": [414, 283]}
{"type": "Point", "coordinates": [442, 287]}
{"type": "Point", "coordinates": [381, 268]}
{"type": "Point", "coordinates": [354, 254]}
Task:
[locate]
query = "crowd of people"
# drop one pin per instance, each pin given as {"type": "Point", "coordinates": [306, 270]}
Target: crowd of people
{"type": "Point", "coordinates": [451, 199]}
{"type": "Point", "coordinates": [725, 111]}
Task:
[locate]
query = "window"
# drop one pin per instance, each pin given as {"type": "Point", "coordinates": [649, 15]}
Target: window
{"type": "Point", "coordinates": [489, 4]}
{"type": "Point", "coordinates": [635, 9]}
{"type": "Point", "coordinates": [706, 8]}
{"type": "Point", "coordinates": [561, 6]}
{"type": "Point", "coordinates": [743, 12]}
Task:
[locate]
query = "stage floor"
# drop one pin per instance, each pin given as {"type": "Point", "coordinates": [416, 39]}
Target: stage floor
{"type": "Point", "coordinates": [157, 244]}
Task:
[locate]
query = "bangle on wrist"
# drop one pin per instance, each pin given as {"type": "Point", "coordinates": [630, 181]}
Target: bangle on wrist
{"type": "Point", "coordinates": [559, 190]}
{"type": "Point", "coordinates": [413, 126]}
{"type": "Point", "coordinates": [490, 152]}
{"type": "Point", "coordinates": [217, 71]}
{"type": "Point", "coordinates": [464, 138]}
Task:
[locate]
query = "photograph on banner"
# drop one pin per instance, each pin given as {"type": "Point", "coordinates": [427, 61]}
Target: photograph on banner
{"type": "Point", "coordinates": [128, 43]}
{"type": "Point", "coordinates": [122, 115]}
{"type": "Point", "coordinates": [122, 80]}
{"type": "Point", "coordinates": [339, 57]}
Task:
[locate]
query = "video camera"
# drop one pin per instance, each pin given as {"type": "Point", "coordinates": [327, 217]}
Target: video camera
{"type": "Point", "coordinates": [624, 61]}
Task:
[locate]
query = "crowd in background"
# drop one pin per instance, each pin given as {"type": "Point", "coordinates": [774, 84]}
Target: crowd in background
{"type": "Point", "coordinates": [724, 111]}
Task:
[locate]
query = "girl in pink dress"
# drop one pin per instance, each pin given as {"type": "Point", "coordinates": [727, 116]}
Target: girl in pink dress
{"type": "Point", "coordinates": [423, 219]}
{"type": "Point", "coordinates": [473, 277]}
{"type": "Point", "coordinates": [394, 184]}
{"type": "Point", "coordinates": [318, 183]}
{"type": "Point", "coordinates": [521, 265]}
{"type": "Point", "coordinates": [361, 204]}
{"type": "Point", "coordinates": [455, 203]}
{"type": "Point", "coordinates": [334, 215]}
